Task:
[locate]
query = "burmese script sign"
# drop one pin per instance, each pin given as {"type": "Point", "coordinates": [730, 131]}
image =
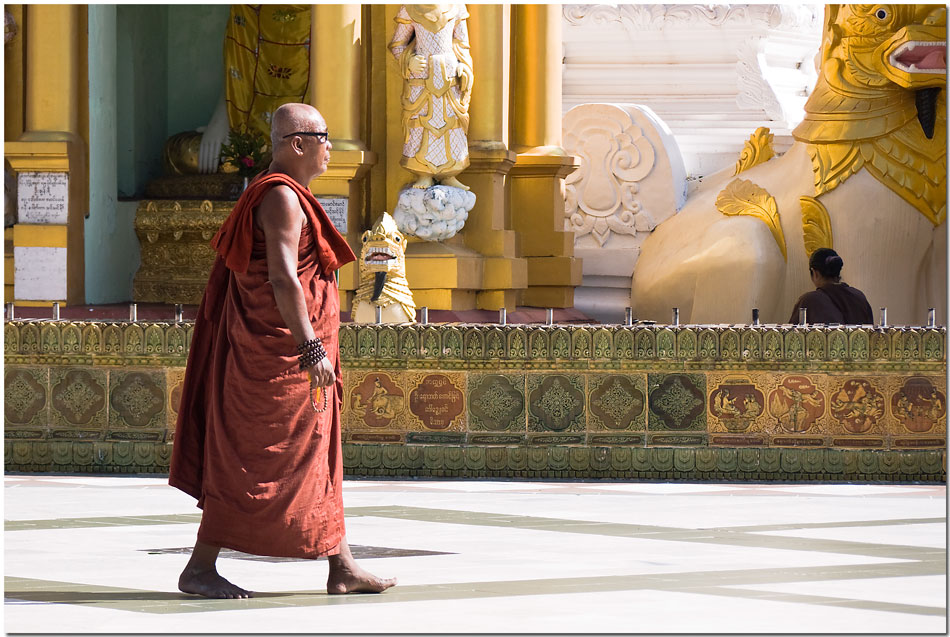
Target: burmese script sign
{"type": "Point", "coordinates": [43, 198]}
{"type": "Point", "coordinates": [336, 208]}
{"type": "Point", "coordinates": [437, 402]}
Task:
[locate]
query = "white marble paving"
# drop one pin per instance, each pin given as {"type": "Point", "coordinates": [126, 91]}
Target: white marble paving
{"type": "Point", "coordinates": [23, 501]}
{"type": "Point", "coordinates": [851, 489]}
{"type": "Point", "coordinates": [933, 535]}
{"type": "Point", "coordinates": [98, 481]}
{"type": "Point", "coordinates": [471, 588]}
{"type": "Point", "coordinates": [683, 511]}
{"type": "Point", "coordinates": [926, 590]}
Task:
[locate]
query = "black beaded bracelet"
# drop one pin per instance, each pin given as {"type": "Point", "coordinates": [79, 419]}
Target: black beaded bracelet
{"type": "Point", "coordinates": [310, 353]}
{"type": "Point", "coordinates": [314, 343]}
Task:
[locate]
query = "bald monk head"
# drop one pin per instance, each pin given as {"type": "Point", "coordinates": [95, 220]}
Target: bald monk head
{"type": "Point", "coordinates": [300, 142]}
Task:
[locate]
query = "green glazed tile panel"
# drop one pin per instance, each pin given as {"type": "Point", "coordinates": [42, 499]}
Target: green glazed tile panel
{"type": "Point", "coordinates": [496, 402]}
{"type": "Point", "coordinates": [643, 402]}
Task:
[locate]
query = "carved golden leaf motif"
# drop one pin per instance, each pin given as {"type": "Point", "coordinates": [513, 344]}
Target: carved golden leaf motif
{"type": "Point", "coordinates": [757, 150]}
{"type": "Point", "coordinates": [816, 225]}
{"type": "Point", "coordinates": [744, 198]}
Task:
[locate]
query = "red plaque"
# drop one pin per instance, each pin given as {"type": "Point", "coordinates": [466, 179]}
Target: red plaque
{"type": "Point", "coordinates": [436, 402]}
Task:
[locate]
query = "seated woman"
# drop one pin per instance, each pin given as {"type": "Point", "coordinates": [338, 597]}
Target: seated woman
{"type": "Point", "coordinates": [833, 301]}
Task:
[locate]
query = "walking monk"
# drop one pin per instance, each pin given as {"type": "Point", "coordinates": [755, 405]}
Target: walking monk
{"type": "Point", "coordinates": [258, 434]}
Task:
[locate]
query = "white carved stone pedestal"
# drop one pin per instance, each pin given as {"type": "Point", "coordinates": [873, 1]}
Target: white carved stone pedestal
{"type": "Point", "coordinates": [433, 214]}
{"type": "Point", "coordinates": [631, 178]}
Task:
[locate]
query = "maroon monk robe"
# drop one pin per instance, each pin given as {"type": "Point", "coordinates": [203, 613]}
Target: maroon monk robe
{"type": "Point", "coordinates": [266, 469]}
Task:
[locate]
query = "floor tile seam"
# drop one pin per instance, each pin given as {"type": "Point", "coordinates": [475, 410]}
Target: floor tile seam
{"type": "Point", "coordinates": [829, 525]}
{"type": "Point", "coordinates": [673, 534]}
{"type": "Point", "coordinates": [820, 600]}
{"type": "Point", "coordinates": [822, 545]}
{"type": "Point", "coordinates": [100, 522]}
{"type": "Point", "coordinates": [586, 527]}
{"type": "Point", "coordinates": [681, 582]}
{"type": "Point", "coordinates": [402, 511]}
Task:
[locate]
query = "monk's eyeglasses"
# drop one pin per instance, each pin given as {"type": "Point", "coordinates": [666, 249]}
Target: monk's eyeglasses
{"type": "Point", "coordinates": [321, 137]}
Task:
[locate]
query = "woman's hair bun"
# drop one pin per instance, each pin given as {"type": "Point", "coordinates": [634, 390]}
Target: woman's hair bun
{"type": "Point", "coordinates": [827, 262]}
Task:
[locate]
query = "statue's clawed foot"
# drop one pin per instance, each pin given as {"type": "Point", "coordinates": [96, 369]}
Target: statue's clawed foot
{"type": "Point", "coordinates": [425, 181]}
{"type": "Point", "coordinates": [454, 183]}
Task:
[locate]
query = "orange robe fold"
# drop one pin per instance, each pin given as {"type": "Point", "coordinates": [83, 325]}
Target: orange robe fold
{"type": "Point", "coordinates": [266, 469]}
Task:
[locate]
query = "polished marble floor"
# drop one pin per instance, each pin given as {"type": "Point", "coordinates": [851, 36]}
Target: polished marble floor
{"type": "Point", "coordinates": [102, 554]}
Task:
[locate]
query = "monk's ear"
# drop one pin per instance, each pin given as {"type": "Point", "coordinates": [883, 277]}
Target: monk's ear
{"type": "Point", "coordinates": [296, 144]}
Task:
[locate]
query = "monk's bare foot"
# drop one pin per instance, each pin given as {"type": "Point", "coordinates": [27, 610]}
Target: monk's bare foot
{"type": "Point", "coordinates": [210, 584]}
{"type": "Point", "coordinates": [353, 579]}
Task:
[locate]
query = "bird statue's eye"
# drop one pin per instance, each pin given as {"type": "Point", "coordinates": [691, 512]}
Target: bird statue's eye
{"type": "Point", "coordinates": [881, 14]}
{"type": "Point", "coordinates": [365, 236]}
{"type": "Point", "coordinates": [398, 238]}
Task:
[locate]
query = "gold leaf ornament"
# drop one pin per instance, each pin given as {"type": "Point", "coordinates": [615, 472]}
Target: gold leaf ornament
{"type": "Point", "coordinates": [744, 198]}
{"type": "Point", "coordinates": [816, 225]}
{"type": "Point", "coordinates": [757, 150]}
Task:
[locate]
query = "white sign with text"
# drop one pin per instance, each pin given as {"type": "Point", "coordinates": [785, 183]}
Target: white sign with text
{"type": "Point", "coordinates": [336, 208]}
{"type": "Point", "coordinates": [43, 198]}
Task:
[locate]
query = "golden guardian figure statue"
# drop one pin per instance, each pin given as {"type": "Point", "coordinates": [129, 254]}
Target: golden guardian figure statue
{"type": "Point", "coordinates": [431, 44]}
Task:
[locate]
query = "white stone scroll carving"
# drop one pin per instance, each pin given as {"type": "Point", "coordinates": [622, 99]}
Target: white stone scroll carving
{"type": "Point", "coordinates": [631, 178]}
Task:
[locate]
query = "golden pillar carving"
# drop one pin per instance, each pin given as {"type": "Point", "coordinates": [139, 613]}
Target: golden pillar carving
{"type": "Point", "coordinates": [336, 58]}
{"type": "Point", "coordinates": [489, 29]}
{"type": "Point", "coordinates": [13, 70]}
{"type": "Point", "coordinates": [13, 120]}
{"type": "Point", "coordinates": [52, 68]}
{"type": "Point", "coordinates": [55, 114]}
{"type": "Point", "coordinates": [536, 80]}
{"type": "Point", "coordinates": [336, 90]}
{"type": "Point", "coordinates": [537, 177]}
{"type": "Point", "coordinates": [488, 228]}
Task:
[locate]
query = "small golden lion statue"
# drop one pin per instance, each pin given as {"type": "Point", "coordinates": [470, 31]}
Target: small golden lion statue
{"type": "Point", "coordinates": [383, 281]}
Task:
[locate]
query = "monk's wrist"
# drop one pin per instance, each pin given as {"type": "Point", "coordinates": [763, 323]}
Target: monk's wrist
{"type": "Point", "coordinates": [311, 352]}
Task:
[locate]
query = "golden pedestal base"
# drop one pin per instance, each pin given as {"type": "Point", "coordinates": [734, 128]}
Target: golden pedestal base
{"type": "Point", "coordinates": [443, 277]}
{"type": "Point", "coordinates": [537, 211]}
{"type": "Point", "coordinates": [176, 251]}
{"type": "Point", "coordinates": [214, 186]}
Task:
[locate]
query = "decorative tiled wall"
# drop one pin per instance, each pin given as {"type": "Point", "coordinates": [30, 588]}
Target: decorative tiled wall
{"type": "Point", "coordinates": [769, 403]}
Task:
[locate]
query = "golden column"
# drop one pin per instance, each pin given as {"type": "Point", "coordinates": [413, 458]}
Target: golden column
{"type": "Point", "coordinates": [50, 157]}
{"type": "Point", "coordinates": [13, 76]}
{"type": "Point", "coordinates": [537, 178]}
{"type": "Point", "coordinates": [488, 228]}
{"type": "Point", "coordinates": [12, 119]}
{"type": "Point", "coordinates": [336, 69]}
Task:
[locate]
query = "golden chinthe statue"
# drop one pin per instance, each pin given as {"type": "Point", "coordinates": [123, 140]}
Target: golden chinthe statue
{"type": "Point", "coordinates": [866, 176]}
{"type": "Point", "coordinates": [383, 281]}
{"type": "Point", "coordinates": [431, 44]}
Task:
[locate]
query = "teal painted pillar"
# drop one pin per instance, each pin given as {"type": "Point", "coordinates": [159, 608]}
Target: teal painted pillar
{"type": "Point", "coordinates": [111, 250]}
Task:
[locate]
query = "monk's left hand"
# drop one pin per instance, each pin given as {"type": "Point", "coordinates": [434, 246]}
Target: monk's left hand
{"type": "Point", "coordinates": [322, 373]}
